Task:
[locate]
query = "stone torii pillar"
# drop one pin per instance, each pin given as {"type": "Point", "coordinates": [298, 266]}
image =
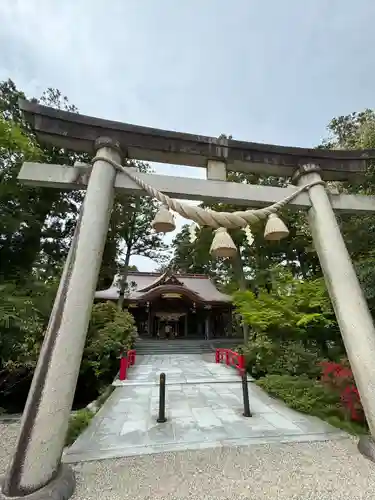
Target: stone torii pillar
{"type": "Point", "coordinates": [36, 470]}
{"type": "Point", "coordinates": [349, 303]}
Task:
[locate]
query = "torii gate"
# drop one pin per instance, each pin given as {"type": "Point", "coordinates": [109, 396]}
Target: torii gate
{"type": "Point", "coordinates": [36, 470]}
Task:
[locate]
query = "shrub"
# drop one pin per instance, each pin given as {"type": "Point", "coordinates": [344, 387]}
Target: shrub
{"type": "Point", "coordinates": [110, 333]}
{"type": "Point", "coordinates": [312, 397]}
{"type": "Point", "coordinates": [339, 378]}
{"type": "Point", "coordinates": [264, 356]}
{"type": "Point", "coordinates": [77, 424]}
{"type": "Point", "coordinates": [260, 355]}
{"type": "Point", "coordinates": [295, 359]}
{"type": "Point", "coordinates": [302, 394]}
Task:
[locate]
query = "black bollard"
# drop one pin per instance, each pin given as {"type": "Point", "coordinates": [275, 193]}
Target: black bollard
{"type": "Point", "coordinates": [161, 419]}
{"type": "Point", "coordinates": [245, 391]}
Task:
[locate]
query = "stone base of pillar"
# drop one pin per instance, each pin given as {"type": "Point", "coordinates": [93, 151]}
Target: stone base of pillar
{"type": "Point", "coordinates": [366, 445]}
{"type": "Point", "coordinates": [60, 488]}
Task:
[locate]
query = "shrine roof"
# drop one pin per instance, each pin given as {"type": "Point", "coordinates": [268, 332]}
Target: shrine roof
{"type": "Point", "coordinates": [140, 284]}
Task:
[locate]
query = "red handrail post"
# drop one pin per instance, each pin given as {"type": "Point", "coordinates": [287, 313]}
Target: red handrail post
{"type": "Point", "coordinates": [217, 356]}
{"type": "Point", "coordinates": [131, 357]}
{"type": "Point", "coordinates": [227, 356]}
{"type": "Point", "coordinates": [123, 367]}
{"type": "Point", "coordinates": [241, 364]}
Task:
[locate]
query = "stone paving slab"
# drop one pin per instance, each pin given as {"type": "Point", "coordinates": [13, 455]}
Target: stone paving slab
{"type": "Point", "coordinates": [179, 369]}
{"type": "Point", "coordinates": [200, 415]}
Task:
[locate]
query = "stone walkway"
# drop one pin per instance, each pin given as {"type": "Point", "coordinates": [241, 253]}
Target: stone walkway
{"type": "Point", "coordinates": [180, 369]}
{"type": "Point", "coordinates": [204, 410]}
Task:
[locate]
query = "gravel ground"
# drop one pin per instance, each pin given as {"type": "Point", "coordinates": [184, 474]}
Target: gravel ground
{"type": "Point", "coordinates": [8, 436]}
{"type": "Point", "coordinates": [308, 471]}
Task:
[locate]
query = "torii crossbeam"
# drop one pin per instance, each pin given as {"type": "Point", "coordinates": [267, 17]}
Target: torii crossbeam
{"type": "Point", "coordinates": [36, 466]}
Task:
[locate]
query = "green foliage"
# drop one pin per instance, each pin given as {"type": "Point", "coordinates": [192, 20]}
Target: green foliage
{"type": "Point", "coordinates": [194, 257]}
{"type": "Point", "coordinates": [110, 333]}
{"type": "Point", "coordinates": [309, 396]}
{"type": "Point", "coordinates": [283, 299]}
{"type": "Point", "coordinates": [23, 317]}
{"type": "Point", "coordinates": [365, 268]}
{"type": "Point", "coordinates": [35, 230]}
{"type": "Point", "coordinates": [347, 425]}
{"type": "Point", "coordinates": [36, 226]}
{"type": "Point", "coordinates": [357, 131]}
{"type": "Point", "coordinates": [265, 356]}
{"type": "Point", "coordinates": [77, 424]}
{"type": "Point", "coordinates": [130, 233]}
{"type": "Point", "coordinates": [13, 141]}
{"type": "Point", "coordinates": [301, 393]}
{"type": "Point", "coordinates": [294, 310]}
{"type": "Point", "coordinates": [296, 359]}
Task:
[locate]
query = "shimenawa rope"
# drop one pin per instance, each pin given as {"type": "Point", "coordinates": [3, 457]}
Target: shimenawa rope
{"type": "Point", "coordinates": [207, 217]}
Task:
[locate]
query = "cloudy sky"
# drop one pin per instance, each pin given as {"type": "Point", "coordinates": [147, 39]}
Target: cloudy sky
{"type": "Point", "coordinates": [272, 71]}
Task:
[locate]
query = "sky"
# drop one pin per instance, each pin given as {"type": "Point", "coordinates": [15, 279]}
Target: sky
{"type": "Point", "coordinates": [273, 71]}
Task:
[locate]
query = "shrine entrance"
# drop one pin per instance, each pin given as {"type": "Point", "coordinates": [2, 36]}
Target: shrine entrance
{"type": "Point", "coordinates": [36, 464]}
{"type": "Point", "coordinates": [180, 318]}
{"type": "Point", "coordinates": [170, 326]}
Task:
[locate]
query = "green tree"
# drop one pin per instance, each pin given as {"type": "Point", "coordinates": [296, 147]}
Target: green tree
{"type": "Point", "coordinates": [295, 310]}
{"type": "Point", "coordinates": [34, 231]}
{"type": "Point", "coordinates": [357, 131]}
{"type": "Point", "coordinates": [252, 266]}
{"type": "Point", "coordinates": [131, 233]}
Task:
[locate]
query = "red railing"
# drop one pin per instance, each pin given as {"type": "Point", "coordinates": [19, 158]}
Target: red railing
{"type": "Point", "coordinates": [231, 358]}
{"type": "Point", "coordinates": [126, 360]}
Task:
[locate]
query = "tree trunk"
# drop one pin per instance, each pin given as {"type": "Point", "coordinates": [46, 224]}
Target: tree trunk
{"type": "Point", "coordinates": [129, 246]}
{"type": "Point", "coordinates": [241, 280]}
{"type": "Point", "coordinates": [124, 277]}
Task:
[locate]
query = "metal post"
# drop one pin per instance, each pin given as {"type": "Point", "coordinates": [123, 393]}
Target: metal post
{"type": "Point", "coordinates": [207, 326]}
{"type": "Point", "coordinates": [351, 309]}
{"type": "Point", "coordinates": [36, 464]}
{"type": "Point", "coordinates": [161, 418]}
{"type": "Point", "coordinates": [245, 392]}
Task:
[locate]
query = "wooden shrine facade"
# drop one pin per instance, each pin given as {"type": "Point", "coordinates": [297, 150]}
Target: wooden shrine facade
{"type": "Point", "coordinates": [173, 306]}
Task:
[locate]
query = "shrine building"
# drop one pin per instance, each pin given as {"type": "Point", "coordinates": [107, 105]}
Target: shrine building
{"type": "Point", "coordinates": [174, 306]}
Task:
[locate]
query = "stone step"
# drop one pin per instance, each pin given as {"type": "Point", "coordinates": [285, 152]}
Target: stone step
{"type": "Point", "coordinates": [172, 347]}
{"type": "Point", "coordinates": [196, 350]}
{"type": "Point", "coordinates": [182, 346]}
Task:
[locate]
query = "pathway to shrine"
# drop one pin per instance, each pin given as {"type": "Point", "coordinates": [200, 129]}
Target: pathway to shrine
{"type": "Point", "coordinates": [204, 410]}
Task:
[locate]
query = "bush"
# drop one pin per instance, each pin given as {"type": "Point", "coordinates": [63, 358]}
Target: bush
{"type": "Point", "coordinates": [339, 378]}
{"type": "Point", "coordinates": [295, 359]}
{"type": "Point", "coordinates": [77, 424]}
{"type": "Point", "coordinates": [264, 356]}
{"type": "Point", "coordinates": [260, 355]}
{"type": "Point", "coordinates": [312, 397]}
{"type": "Point", "coordinates": [110, 333]}
{"type": "Point", "coordinates": [302, 394]}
